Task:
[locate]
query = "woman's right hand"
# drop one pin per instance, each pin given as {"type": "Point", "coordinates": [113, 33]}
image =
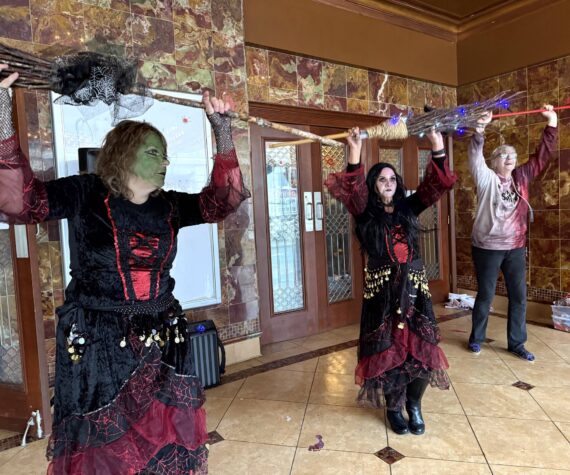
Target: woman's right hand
{"type": "Point", "coordinates": [484, 120]}
{"type": "Point", "coordinates": [355, 145]}
{"type": "Point", "coordinates": [9, 80]}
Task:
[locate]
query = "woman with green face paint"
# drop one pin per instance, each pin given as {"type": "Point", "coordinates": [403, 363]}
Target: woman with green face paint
{"type": "Point", "coordinates": [126, 396]}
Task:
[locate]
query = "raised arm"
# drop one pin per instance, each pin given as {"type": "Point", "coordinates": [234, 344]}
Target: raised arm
{"type": "Point", "coordinates": [480, 172]}
{"type": "Point", "coordinates": [438, 178]}
{"type": "Point", "coordinates": [23, 198]}
{"type": "Point", "coordinates": [349, 187]}
{"type": "Point", "coordinates": [226, 189]}
{"type": "Point", "coordinates": [544, 151]}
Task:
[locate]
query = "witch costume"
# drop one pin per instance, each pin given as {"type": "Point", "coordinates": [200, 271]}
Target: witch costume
{"type": "Point", "coordinates": [398, 351]}
{"type": "Point", "coordinates": [127, 399]}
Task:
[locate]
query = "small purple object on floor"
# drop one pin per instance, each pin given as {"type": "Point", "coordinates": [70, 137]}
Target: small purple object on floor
{"type": "Point", "coordinates": [319, 445]}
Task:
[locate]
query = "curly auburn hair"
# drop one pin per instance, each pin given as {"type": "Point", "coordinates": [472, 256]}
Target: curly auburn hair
{"type": "Point", "coordinates": [118, 154]}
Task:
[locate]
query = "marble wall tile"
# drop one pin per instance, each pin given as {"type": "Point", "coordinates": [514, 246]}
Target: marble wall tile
{"type": "Point", "coordinates": [286, 97]}
{"type": "Point", "coordinates": [357, 106]}
{"type": "Point", "coordinates": [378, 86]}
{"type": "Point", "coordinates": [122, 5]}
{"type": "Point", "coordinates": [257, 66]}
{"type": "Point", "coordinates": [546, 225]}
{"type": "Point", "coordinates": [434, 95]}
{"type": "Point", "coordinates": [449, 96]}
{"type": "Point", "coordinates": [565, 279]}
{"type": "Point", "coordinates": [194, 80]}
{"type": "Point", "coordinates": [60, 28]}
{"type": "Point", "coordinates": [544, 194]}
{"type": "Point", "coordinates": [464, 224]}
{"type": "Point", "coordinates": [193, 47]}
{"type": "Point", "coordinates": [220, 315]}
{"type": "Point", "coordinates": [310, 83]}
{"type": "Point", "coordinates": [15, 20]}
{"type": "Point", "coordinates": [227, 17]}
{"type": "Point", "coordinates": [242, 312]}
{"type": "Point", "coordinates": [334, 80]}
{"type": "Point", "coordinates": [417, 93]}
{"type": "Point", "coordinates": [381, 109]}
{"type": "Point", "coordinates": [153, 39]}
{"type": "Point", "coordinates": [465, 94]}
{"type": "Point", "coordinates": [397, 90]}
{"type": "Point", "coordinates": [542, 78]}
{"type": "Point", "coordinates": [564, 100]}
{"type": "Point", "coordinates": [240, 247]}
{"type": "Point", "coordinates": [257, 93]}
{"type": "Point", "coordinates": [564, 133]}
{"type": "Point", "coordinates": [107, 30]}
{"type": "Point", "coordinates": [485, 89]}
{"type": "Point", "coordinates": [282, 71]}
{"type": "Point", "coordinates": [333, 103]}
{"type": "Point", "coordinates": [516, 105]}
{"type": "Point", "coordinates": [157, 75]}
{"type": "Point", "coordinates": [153, 8]}
{"type": "Point", "coordinates": [193, 13]}
{"type": "Point", "coordinates": [545, 252]}
{"type": "Point", "coordinates": [51, 7]}
{"type": "Point", "coordinates": [463, 246]}
{"type": "Point", "coordinates": [357, 84]}
{"type": "Point", "coordinates": [565, 256]}
{"type": "Point", "coordinates": [545, 278]}
{"type": "Point", "coordinates": [565, 223]}
{"type": "Point", "coordinates": [514, 81]}
{"type": "Point", "coordinates": [242, 281]}
{"type": "Point", "coordinates": [565, 179]}
{"type": "Point", "coordinates": [235, 86]}
{"type": "Point", "coordinates": [517, 137]}
{"type": "Point", "coordinates": [536, 101]}
{"type": "Point", "coordinates": [229, 54]}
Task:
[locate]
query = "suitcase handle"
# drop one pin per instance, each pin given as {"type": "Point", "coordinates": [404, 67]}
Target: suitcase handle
{"type": "Point", "coordinates": [223, 351]}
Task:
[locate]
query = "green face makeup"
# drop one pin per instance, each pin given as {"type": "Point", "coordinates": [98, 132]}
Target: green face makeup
{"type": "Point", "coordinates": [150, 163]}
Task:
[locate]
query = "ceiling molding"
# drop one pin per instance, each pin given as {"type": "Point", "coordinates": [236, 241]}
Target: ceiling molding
{"type": "Point", "coordinates": [433, 21]}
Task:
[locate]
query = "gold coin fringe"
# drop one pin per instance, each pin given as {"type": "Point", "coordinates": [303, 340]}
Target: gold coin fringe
{"type": "Point", "coordinates": [375, 279]}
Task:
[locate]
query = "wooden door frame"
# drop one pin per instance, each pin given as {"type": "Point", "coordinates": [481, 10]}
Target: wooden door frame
{"type": "Point", "coordinates": [33, 393]}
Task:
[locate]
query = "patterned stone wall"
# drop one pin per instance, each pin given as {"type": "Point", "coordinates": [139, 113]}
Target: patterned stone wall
{"type": "Point", "coordinates": [548, 273]}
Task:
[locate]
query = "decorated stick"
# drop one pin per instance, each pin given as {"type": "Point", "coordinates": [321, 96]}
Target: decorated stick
{"type": "Point", "coordinates": [443, 120]}
{"type": "Point", "coordinates": [85, 78]}
{"type": "Point", "coordinates": [534, 111]}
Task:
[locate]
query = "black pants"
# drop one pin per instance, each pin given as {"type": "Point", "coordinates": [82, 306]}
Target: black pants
{"type": "Point", "coordinates": [487, 264]}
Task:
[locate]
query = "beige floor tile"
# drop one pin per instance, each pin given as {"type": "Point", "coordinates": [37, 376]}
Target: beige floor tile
{"type": "Point", "coordinates": [441, 401]}
{"type": "Point", "coordinates": [307, 366]}
{"type": "Point", "coordinates": [565, 429]}
{"type": "Point", "coordinates": [340, 362]}
{"type": "Point", "coordinates": [498, 401]}
{"type": "Point", "coordinates": [334, 389]}
{"type": "Point", "coordinates": [278, 385]}
{"type": "Point", "coordinates": [542, 351]}
{"type": "Point", "coordinates": [485, 371]}
{"type": "Point", "coordinates": [350, 429]}
{"type": "Point", "coordinates": [506, 470]}
{"type": "Point", "coordinates": [350, 332]}
{"type": "Point", "coordinates": [447, 437]}
{"type": "Point", "coordinates": [549, 335]}
{"type": "Point", "coordinates": [518, 443]}
{"type": "Point", "coordinates": [541, 374]}
{"type": "Point", "coordinates": [270, 422]}
{"type": "Point", "coordinates": [562, 350]}
{"type": "Point", "coordinates": [554, 401]}
{"type": "Point", "coordinates": [278, 347]}
{"type": "Point", "coordinates": [244, 458]}
{"type": "Point", "coordinates": [456, 347]}
{"type": "Point", "coordinates": [414, 466]}
{"type": "Point", "coordinates": [234, 368]}
{"type": "Point", "coordinates": [225, 390]}
{"type": "Point", "coordinates": [216, 407]}
{"type": "Point", "coordinates": [297, 350]}
{"type": "Point", "coordinates": [31, 460]}
{"type": "Point", "coordinates": [7, 455]}
{"type": "Point", "coordinates": [322, 340]}
{"type": "Point", "coordinates": [330, 462]}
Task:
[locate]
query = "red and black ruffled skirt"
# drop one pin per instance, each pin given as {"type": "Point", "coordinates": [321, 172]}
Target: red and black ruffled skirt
{"type": "Point", "coordinates": [130, 403]}
{"type": "Point", "coordinates": [399, 336]}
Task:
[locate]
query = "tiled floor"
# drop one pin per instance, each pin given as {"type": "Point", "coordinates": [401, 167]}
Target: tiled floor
{"type": "Point", "coordinates": [482, 425]}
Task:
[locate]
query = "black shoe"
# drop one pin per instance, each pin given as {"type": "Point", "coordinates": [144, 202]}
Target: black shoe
{"type": "Point", "coordinates": [414, 394]}
{"type": "Point", "coordinates": [397, 422]}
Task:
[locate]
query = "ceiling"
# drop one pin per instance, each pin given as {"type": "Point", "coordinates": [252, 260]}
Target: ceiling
{"type": "Point", "coordinates": [447, 19]}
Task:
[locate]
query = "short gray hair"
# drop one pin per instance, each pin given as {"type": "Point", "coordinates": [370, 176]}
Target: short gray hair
{"type": "Point", "coordinates": [500, 150]}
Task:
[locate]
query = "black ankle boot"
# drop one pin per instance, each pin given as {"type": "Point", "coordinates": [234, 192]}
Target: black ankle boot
{"type": "Point", "coordinates": [414, 393]}
{"type": "Point", "coordinates": [397, 422]}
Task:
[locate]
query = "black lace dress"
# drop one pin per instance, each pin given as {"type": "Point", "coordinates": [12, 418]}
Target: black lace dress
{"type": "Point", "coordinates": [127, 399]}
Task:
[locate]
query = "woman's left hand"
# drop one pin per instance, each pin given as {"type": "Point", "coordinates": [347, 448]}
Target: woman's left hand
{"type": "Point", "coordinates": [213, 104]}
{"type": "Point", "coordinates": [436, 139]}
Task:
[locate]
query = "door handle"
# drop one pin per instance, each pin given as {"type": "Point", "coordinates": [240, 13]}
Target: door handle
{"type": "Point", "coordinates": [319, 211]}
{"type": "Point", "coordinates": [308, 205]}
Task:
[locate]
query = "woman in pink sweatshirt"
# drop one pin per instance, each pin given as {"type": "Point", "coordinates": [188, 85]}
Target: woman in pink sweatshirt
{"type": "Point", "coordinates": [499, 231]}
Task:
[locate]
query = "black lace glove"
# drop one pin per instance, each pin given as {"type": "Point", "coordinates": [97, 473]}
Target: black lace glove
{"type": "Point", "coordinates": [6, 126]}
{"type": "Point", "coordinates": [222, 125]}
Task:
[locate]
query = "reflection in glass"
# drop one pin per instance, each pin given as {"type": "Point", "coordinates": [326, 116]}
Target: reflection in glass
{"type": "Point", "coordinates": [284, 228]}
{"type": "Point", "coordinates": [10, 358]}
{"type": "Point", "coordinates": [337, 231]}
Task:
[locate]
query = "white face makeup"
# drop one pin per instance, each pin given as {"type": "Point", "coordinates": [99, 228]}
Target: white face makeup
{"type": "Point", "coordinates": [386, 185]}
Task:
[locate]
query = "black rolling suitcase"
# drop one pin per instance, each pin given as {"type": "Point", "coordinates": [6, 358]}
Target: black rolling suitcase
{"type": "Point", "coordinates": [208, 352]}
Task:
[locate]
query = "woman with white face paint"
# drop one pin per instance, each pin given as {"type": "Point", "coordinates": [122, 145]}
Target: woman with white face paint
{"type": "Point", "coordinates": [499, 231]}
{"type": "Point", "coordinates": [127, 399]}
{"type": "Point", "coordinates": [398, 352]}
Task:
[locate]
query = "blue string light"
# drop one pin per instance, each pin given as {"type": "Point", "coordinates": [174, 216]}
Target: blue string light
{"type": "Point", "coordinates": [461, 110]}
{"type": "Point", "coordinates": [461, 131]}
{"type": "Point", "coordinates": [394, 119]}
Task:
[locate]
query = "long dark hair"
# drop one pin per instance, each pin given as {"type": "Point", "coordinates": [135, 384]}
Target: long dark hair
{"type": "Point", "coordinates": [371, 225]}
